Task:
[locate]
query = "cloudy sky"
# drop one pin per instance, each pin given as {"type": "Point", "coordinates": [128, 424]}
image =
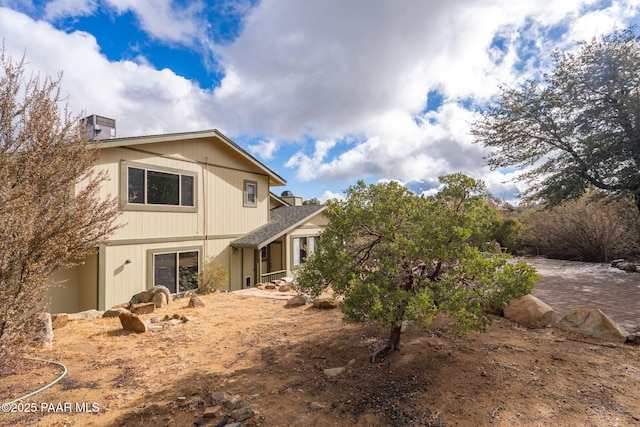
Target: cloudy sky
{"type": "Point", "coordinates": [324, 92]}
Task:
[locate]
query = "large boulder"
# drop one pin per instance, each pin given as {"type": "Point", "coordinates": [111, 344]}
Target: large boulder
{"type": "Point", "coordinates": [529, 311]}
{"type": "Point", "coordinates": [594, 323]}
{"type": "Point", "coordinates": [143, 308]}
{"type": "Point", "coordinates": [131, 322]}
{"type": "Point", "coordinates": [325, 303]}
{"type": "Point", "coordinates": [296, 301]}
{"type": "Point", "coordinates": [149, 294]}
{"type": "Point", "coordinates": [195, 301]}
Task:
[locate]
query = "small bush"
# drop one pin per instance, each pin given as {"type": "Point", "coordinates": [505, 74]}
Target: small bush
{"type": "Point", "coordinates": [212, 277]}
{"type": "Point", "coordinates": [508, 233]}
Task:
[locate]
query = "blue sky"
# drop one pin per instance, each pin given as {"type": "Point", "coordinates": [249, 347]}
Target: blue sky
{"type": "Point", "coordinates": [324, 92]}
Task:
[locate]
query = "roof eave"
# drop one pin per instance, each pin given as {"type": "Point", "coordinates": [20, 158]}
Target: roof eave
{"type": "Point", "coordinates": [275, 179]}
{"type": "Point", "coordinates": [282, 233]}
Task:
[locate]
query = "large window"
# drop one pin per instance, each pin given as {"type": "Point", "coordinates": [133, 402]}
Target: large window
{"type": "Point", "coordinates": [176, 270]}
{"type": "Point", "coordinates": [302, 248]}
{"type": "Point", "coordinates": [157, 188]}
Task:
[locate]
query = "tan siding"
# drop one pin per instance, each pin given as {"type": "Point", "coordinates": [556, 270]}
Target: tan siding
{"type": "Point", "coordinates": [75, 289]}
{"type": "Point", "coordinates": [219, 193]}
{"type": "Point", "coordinates": [221, 173]}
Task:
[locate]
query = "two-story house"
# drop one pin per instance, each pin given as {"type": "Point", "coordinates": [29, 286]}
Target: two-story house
{"type": "Point", "coordinates": [186, 197]}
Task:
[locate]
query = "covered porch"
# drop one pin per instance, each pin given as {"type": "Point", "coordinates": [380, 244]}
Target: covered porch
{"type": "Point", "coordinates": [272, 245]}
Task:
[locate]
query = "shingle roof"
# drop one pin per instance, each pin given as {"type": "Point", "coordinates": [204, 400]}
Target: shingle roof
{"type": "Point", "coordinates": [283, 219]}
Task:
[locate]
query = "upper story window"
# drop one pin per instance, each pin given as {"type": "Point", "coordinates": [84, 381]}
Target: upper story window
{"type": "Point", "coordinates": [250, 194]}
{"type": "Point", "coordinates": [157, 188]}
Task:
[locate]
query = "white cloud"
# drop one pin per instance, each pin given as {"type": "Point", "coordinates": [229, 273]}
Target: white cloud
{"type": "Point", "coordinates": [330, 195]}
{"type": "Point", "coordinates": [57, 9]}
{"type": "Point", "coordinates": [308, 165]}
{"type": "Point", "coordinates": [347, 80]}
{"type": "Point", "coordinates": [143, 100]}
{"type": "Point", "coordinates": [264, 149]}
{"type": "Point", "coordinates": [163, 20]}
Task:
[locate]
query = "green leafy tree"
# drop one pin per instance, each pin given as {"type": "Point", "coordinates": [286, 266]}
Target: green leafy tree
{"type": "Point", "coordinates": [576, 128]}
{"type": "Point", "coordinates": [397, 257]}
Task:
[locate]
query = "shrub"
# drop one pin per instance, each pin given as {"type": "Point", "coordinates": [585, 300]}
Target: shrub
{"type": "Point", "coordinates": [212, 277]}
{"type": "Point", "coordinates": [508, 233]}
{"type": "Point", "coordinates": [583, 230]}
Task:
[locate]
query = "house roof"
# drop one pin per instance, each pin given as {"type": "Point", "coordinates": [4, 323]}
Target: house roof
{"type": "Point", "coordinates": [283, 220]}
{"type": "Point", "coordinates": [184, 136]}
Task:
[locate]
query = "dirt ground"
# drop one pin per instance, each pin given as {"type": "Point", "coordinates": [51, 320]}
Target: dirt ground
{"type": "Point", "coordinates": [274, 359]}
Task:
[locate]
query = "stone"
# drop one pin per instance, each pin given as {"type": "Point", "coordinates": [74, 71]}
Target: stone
{"type": "Point", "coordinates": [143, 308]}
{"type": "Point", "coordinates": [195, 301]}
{"type": "Point", "coordinates": [160, 300]}
{"type": "Point", "coordinates": [132, 322]}
{"type": "Point", "coordinates": [325, 303]}
{"type": "Point", "coordinates": [334, 372]}
{"type": "Point", "coordinates": [59, 320]}
{"type": "Point", "coordinates": [45, 329]}
{"type": "Point", "coordinates": [232, 401]}
{"type": "Point", "coordinates": [594, 323]}
{"type": "Point", "coordinates": [147, 296]}
{"type": "Point", "coordinates": [242, 414]}
{"type": "Point", "coordinates": [269, 286]}
{"type": "Point", "coordinates": [284, 288]}
{"type": "Point", "coordinates": [219, 396]}
{"type": "Point", "coordinates": [296, 301]}
{"type": "Point", "coordinates": [627, 266]}
{"type": "Point", "coordinates": [529, 311]}
{"type": "Point", "coordinates": [87, 314]}
{"type": "Point", "coordinates": [288, 279]}
{"type": "Point", "coordinates": [314, 406]}
{"type": "Point", "coordinates": [212, 412]}
{"type": "Point", "coordinates": [615, 262]}
{"type": "Point", "coordinates": [115, 312]}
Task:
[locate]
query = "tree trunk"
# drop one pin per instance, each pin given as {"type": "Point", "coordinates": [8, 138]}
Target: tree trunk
{"type": "Point", "coordinates": [394, 338]}
{"type": "Point", "coordinates": [392, 344]}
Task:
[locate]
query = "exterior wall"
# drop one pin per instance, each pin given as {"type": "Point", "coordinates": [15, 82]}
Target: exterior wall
{"type": "Point", "coordinates": [122, 268]}
{"type": "Point", "coordinates": [75, 289]}
{"type": "Point", "coordinates": [248, 270]}
{"type": "Point", "coordinates": [313, 227]}
{"type": "Point", "coordinates": [220, 186]}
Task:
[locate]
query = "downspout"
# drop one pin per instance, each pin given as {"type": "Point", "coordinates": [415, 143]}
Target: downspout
{"type": "Point", "coordinates": [205, 188]}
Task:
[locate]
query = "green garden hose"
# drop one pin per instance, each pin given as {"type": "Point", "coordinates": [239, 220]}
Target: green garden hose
{"type": "Point", "coordinates": [42, 388]}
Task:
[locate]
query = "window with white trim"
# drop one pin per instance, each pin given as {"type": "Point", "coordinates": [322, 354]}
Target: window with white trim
{"type": "Point", "coordinates": [250, 194]}
{"type": "Point", "coordinates": [176, 270]}
{"type": "Point", "coordinates": [302, 248]}
{"type": "Point", "coordinates": [158, 187]}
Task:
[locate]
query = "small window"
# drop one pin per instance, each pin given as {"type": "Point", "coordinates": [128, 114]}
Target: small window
{"type": "Point", "coordinates": [250, 193]}
{"type": "Point", "coordinates": [302, 248]}
{"type": "Point", "coordinates": [157, 188]}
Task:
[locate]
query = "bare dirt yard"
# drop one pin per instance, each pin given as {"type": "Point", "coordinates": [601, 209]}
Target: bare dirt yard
{"type": "Point", "coordinates": [274, 359]}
